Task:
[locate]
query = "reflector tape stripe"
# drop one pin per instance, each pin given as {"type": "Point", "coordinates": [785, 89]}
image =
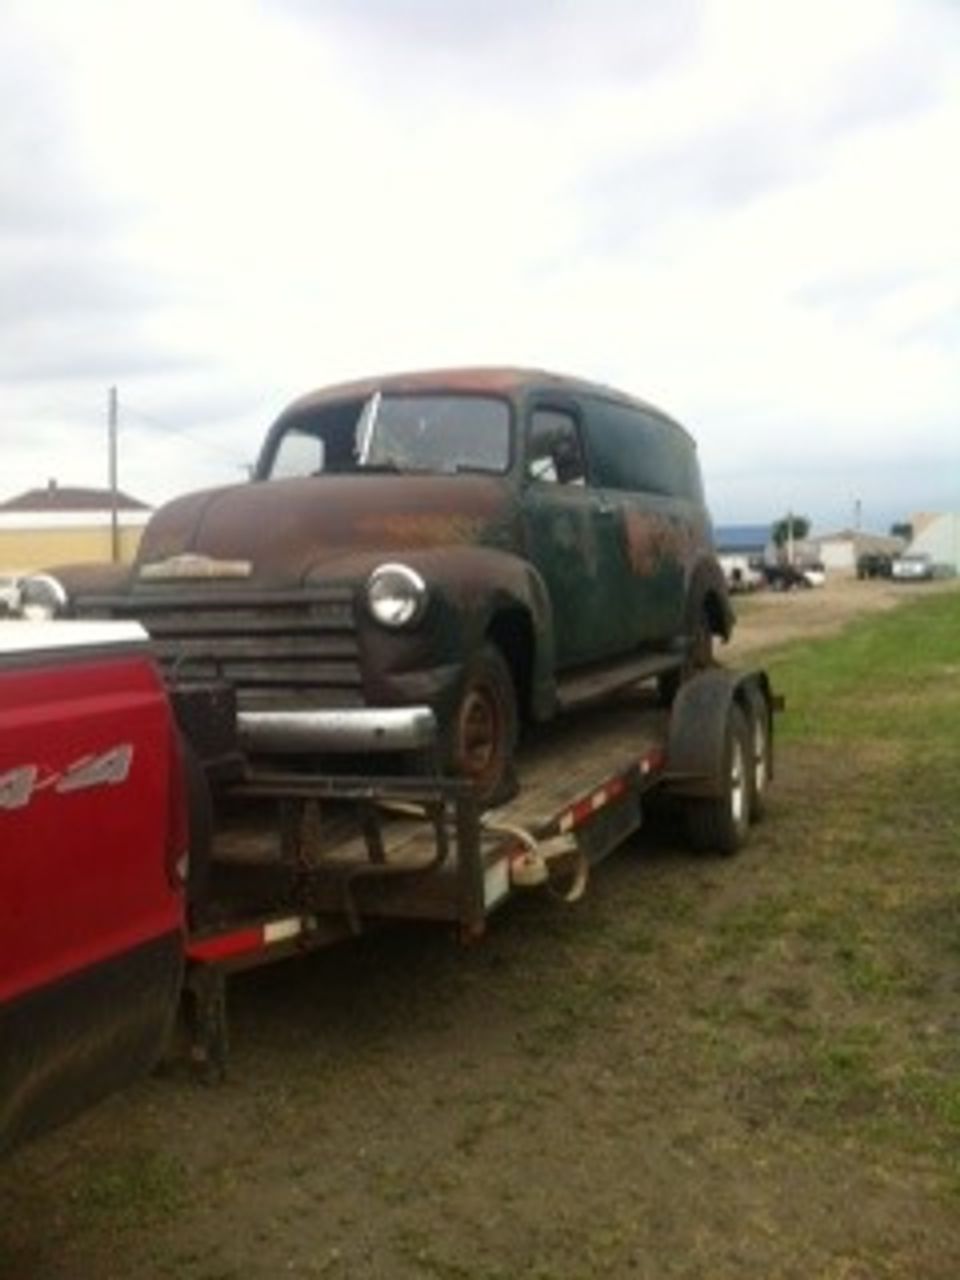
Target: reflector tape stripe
{"type": "Point", "coordinates": [244, 941]}
{"type": "Point", "coordinates": [226, 946]}
{"type": "Point", "coordinates": [589, 805]}
{"type": "Point", "coordinates": [280, 930]}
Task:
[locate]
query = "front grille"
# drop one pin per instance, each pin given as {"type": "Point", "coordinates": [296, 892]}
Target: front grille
{"type": "Point", "coordinates": [278, 649]}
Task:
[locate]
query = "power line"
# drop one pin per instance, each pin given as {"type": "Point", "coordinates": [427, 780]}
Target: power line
{"type": "Point", "coordinates": [65, 409]}
{"type": "Point", "coordinates": [85, 412]}
{"type": "Point", "coordinates": [151, 420]}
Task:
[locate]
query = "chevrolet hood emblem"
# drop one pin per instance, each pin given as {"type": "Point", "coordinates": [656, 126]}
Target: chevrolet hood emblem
{"type": "Point", "coordinates": [189, 565]}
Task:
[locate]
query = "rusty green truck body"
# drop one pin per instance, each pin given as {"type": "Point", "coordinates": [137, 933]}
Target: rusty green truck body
{"type": "Point", "coordinates": [404, 536]}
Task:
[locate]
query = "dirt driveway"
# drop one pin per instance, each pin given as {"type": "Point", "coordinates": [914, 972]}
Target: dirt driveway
{"type": "Point", "coordinates": [767, 619]}
{"type": "Point", "coordinates": [702, 1070]}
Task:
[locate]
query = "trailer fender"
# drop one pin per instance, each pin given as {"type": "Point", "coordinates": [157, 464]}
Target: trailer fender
{"type": "Point", "coordinates": [698, 725]}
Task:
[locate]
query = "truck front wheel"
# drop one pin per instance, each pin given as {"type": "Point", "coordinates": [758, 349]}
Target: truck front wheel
{"type": "Point", "coordinates": [483, 731]}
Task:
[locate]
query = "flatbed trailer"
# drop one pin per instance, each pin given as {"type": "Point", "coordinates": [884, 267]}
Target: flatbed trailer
{"type": "Point", "coordinates": [299, 860]}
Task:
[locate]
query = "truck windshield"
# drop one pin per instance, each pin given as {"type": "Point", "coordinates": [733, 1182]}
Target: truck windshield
{"type": "Point", "coordinates": [440, 433]}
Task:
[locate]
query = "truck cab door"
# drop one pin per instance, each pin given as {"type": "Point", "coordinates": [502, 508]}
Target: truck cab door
{"type": "Point", "coordinates": [572, 537]}
{"type": "Point", "coordinates": [645, 469]}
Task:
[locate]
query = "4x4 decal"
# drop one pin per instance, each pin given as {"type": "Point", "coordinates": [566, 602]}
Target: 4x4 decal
{"type": "Point", "coordinates": [108, 769]}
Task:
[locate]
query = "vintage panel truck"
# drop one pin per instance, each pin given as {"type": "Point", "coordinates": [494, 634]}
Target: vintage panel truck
{"type": "Point", "coordinates": [446, 645]}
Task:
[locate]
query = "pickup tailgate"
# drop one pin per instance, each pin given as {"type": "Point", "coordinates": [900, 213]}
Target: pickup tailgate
{"type": "Point", "coordinates": [91, 825]}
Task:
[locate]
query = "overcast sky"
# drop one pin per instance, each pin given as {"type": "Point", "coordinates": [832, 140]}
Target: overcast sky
{"type": "Point", "coordinates": [747, 211]}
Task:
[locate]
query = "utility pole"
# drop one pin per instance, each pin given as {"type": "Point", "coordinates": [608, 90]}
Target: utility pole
{"type": "Point", "coordinates": [112, 416]}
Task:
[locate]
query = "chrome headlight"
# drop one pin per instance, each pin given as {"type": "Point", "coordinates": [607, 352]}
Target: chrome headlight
{"type": "Point", "coordinates": [42, 597]}
{"type": "Point", "coordinates": [396, 595]}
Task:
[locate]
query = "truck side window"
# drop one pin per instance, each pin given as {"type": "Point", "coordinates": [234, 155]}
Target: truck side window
{"type": "Point", "coordinates": [554, 455]}
{"type": "Point", "coordinates": [640, 451]}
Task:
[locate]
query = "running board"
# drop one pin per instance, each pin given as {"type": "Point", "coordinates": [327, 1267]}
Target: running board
{"type": "Point", "coordinates": [584, 687]}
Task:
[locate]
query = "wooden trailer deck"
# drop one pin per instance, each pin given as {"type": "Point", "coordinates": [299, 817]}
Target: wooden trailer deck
{"type": "Point", "coordinates": [567, 772]}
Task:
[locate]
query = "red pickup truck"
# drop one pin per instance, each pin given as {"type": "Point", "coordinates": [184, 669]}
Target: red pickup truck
{"type": "Point", "coordinates": [93, 854]}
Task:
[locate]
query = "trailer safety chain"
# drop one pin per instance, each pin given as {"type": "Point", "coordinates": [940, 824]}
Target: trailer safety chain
{"type": "Point", "coordinates": [205, 1009]}
{"type": "Point", "coordinates": [379, 865]}
{"type": "Point", "coordinates": [530, 867]}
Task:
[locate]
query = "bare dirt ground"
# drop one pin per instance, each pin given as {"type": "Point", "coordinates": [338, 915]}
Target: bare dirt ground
{"type": "Point", "coordinates": [686, 1075]}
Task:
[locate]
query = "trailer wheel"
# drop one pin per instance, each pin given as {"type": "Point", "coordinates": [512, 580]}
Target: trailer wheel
{"type": "Point", "coordinates": [761, 752]}
{"type": "Point", "coordinates": [483, 731]}
{"type": "Point", "coordinates": [719, 824]}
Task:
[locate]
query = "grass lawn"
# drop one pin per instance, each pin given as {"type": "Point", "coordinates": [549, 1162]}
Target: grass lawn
{"type": "Point", "coordinates": [869, 913]}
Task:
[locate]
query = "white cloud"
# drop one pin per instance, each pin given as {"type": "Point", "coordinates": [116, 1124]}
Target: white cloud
{"type": "Point", "coordinates": [745, 211]}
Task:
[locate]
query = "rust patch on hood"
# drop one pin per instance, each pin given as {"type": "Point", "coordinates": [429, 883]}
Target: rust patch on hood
{"type": "Point", "coordinates": [416, 531]}
{"type": "Point", "coordinates": [286, 528]}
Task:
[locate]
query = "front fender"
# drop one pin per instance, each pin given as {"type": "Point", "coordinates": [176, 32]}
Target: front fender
{"type": "Point", "coordinates": [471, 589]}
{"type": "Point", "coordinates": [490, 588]}
{"type": "Point", "coordinates": [91, 578]}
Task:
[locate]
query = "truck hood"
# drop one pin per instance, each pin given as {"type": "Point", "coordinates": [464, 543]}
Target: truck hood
{"type": "Point", "coordinates": [278, 532]}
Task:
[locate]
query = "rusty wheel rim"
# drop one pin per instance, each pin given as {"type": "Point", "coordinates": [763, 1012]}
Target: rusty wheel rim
{"type": "Point", "coordinates": [480, 724]}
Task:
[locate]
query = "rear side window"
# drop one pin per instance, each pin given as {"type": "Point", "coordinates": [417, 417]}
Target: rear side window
{"type": "Point", "coordinates": [554, 452]}
{"type": "Point", "coordinates": [642, 452]}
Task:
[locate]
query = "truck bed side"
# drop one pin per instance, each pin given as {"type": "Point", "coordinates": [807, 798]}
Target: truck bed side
{"type": "Point", "coordinates": [91, 826]}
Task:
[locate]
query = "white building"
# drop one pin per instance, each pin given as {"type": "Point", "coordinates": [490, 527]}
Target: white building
{"type": "Point", "coordinates": [938, 536]}
{"type": "Point", "coordinates": [62, 524]}
{"type": "Point", "coordinates": [840, 551]}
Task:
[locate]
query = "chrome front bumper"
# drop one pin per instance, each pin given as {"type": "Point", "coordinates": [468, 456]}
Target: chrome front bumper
{"type": "Point", "coordinates": [347, 730]}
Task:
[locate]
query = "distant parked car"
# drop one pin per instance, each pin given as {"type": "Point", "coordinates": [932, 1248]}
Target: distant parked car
{"type": "Point", "coordinates": [743, 577]}
{"type": "Point", "coordinates": [785, 577]}
{"type": "Point", "coordinates": [9, 594]}
{"type": "Point", "coordinates": [815, 575]}
{"type": "Point", "coordinates": [915, 567]}
{"type": "Point", "coordinates": [874, 564]}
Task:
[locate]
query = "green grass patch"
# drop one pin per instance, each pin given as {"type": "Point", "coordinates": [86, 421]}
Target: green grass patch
{"type": "Point", "coordinates": [892, 679]}
{"type": "Point", "coordinates": [129, 1189]}
{"type": "Point", "coordinates": [869, 912]}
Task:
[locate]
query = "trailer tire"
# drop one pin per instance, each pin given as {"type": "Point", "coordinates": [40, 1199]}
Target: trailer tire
{"type": "Point", "coordinates": [760, 729]}
{"type": "Point", "coordinates": [720, 824]}
{"type": "Point", "coordinates": [482, 736]}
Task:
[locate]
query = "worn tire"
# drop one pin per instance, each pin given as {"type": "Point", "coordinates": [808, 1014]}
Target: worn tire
{"type": "Point", "coordinates": [760, 761]}
{"type": "Point", "coordinates": [482, 734]}
{"type": "Point", "coordinates": [720, 824]}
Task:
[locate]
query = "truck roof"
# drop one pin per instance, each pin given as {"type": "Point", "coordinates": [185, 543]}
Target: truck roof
{"type": "Point", "coordinates": [472, 380]}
